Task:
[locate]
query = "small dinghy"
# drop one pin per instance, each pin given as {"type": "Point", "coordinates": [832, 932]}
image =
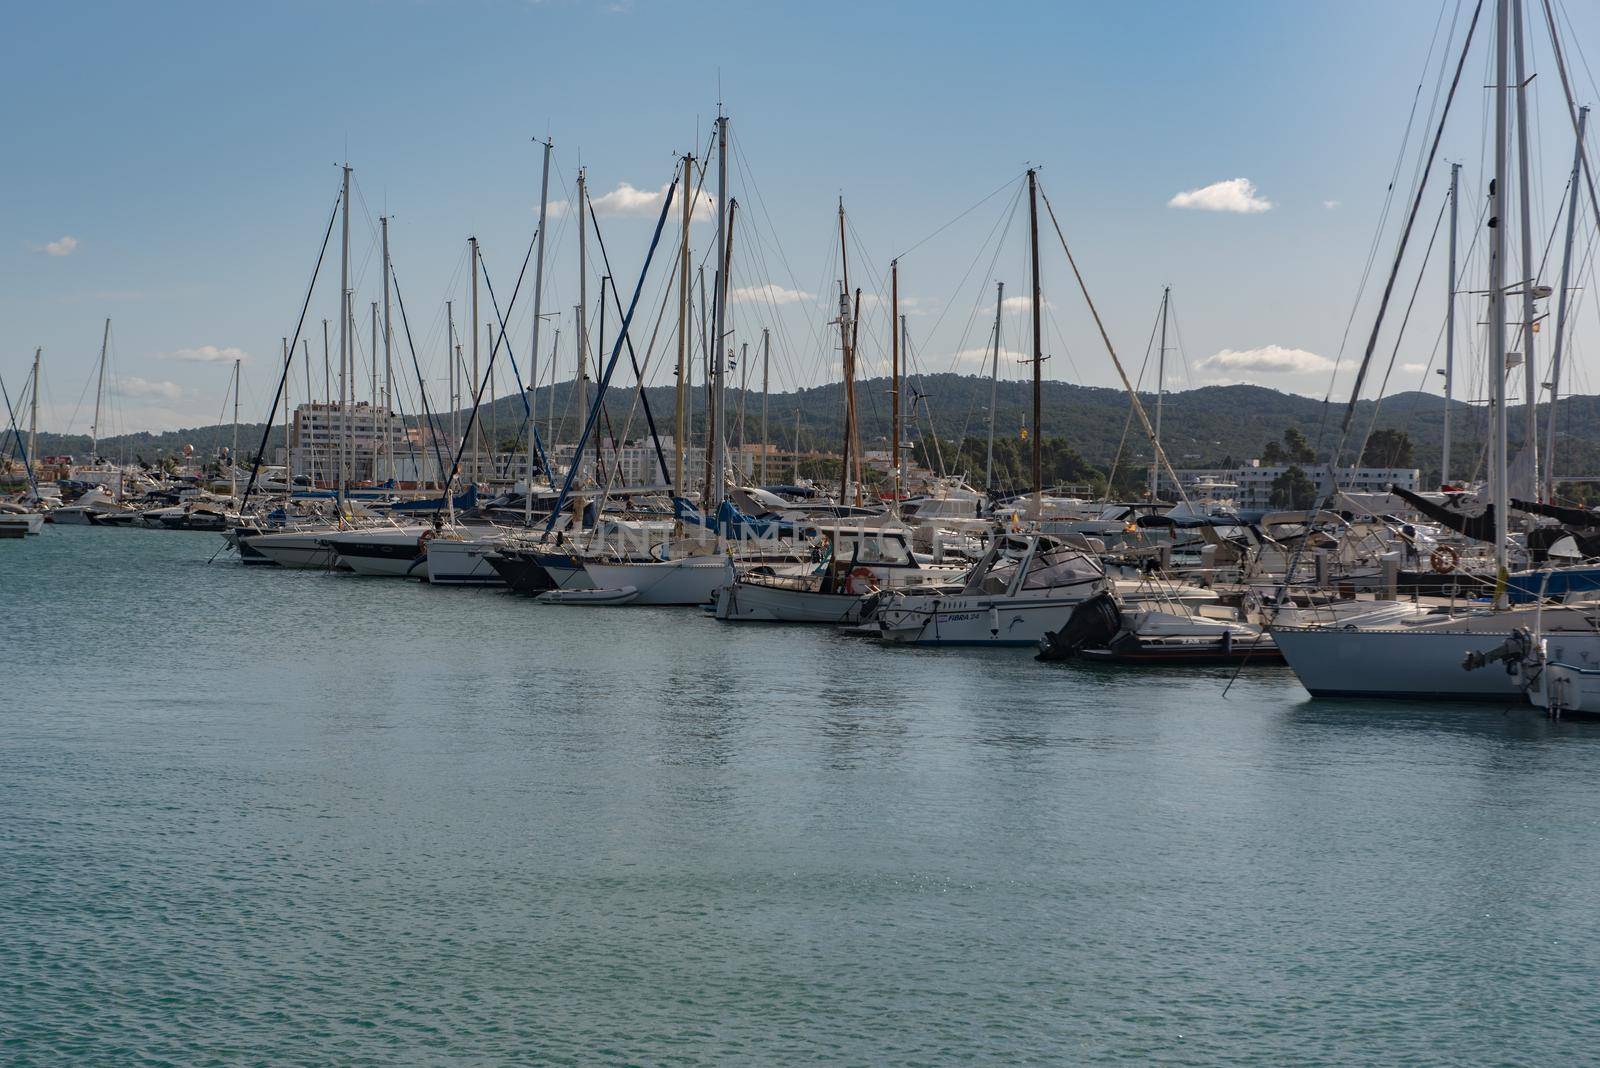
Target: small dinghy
{"type": "Point", "coordinates": [621, 595]}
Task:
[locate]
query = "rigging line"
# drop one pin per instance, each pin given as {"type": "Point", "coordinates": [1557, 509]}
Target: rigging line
{"type": "Point", "coordinates": [1572, 107]}
{"type": "Point", "coordinates": [1405, 320]}
{"type": "Point", "coordinates": [266, 430]}
{"type": "Point", "coordinates": [1377, 235]}
{"type": "Point", "coordinates": [435, 433]}
{"type": "Point", "coordinates": [1161, 454]}
{"type": "Point", "coordinates": [1405, 235]}
{"type": "Point", "coordinates": [633, 358]}
{"type": "Point", "coordinates": [996, 192]}
{"type": "Point", "coordinates": [743, 163]}
{"type": "Point", "coordinates": [1002, 225]}
{"type": "Point", "coordinates": [616, 353]}
{"type": "Point", "coordinates": [1127, 423]}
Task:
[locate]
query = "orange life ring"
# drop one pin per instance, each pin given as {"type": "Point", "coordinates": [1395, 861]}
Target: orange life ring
{"type": "Point", "coordinates": [423, 539]}
{"type": "Point", "coordinates": [865, 578]}
{"type": "Point", "coordinates": [1443, 560]}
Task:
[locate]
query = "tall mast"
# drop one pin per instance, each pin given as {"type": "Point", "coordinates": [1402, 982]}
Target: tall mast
{"type": "Point", "coordinates": [681, 431]}
{"type": "Point", "coordinates": [99, 390]}
{"type": "Point", "coordinates": [388, 361]}
{"type": "Point", "coordinates": [233, 453]}
{"type": "Point", "coordinates": [894, 374]}
{"type": "Point", "coordinates": [327, 380]}
{"type": "Point", "coordinates": [844, 359]}
{"type": "Point", "coordinates": [905, 347]}
{"type": "Point", "coordinates": [344, 345]}
{"type": "Point", "coordinates": [766, 382]}
{"type": "Point", "coordinates": [372, 396]}
{"type": "Point", "coordinates": [720, 305]}
{"type": "Point", "coordinates": [1497, 304]}
{"type": "Point", "coordinates": [288, 443]}
{"type": "Point", "coordinates": [33, 418]}
{"type": "Point", "coordinates": [1561, 313]}
{"type": "Point", "coordinates": [1038, 348]}
{"type": "Point", "coordinates": [1450, 329]}
{"type": "Point", "coordinates": [555, 352]}
{"type": "Point", "coordinates": [533, 350]}
{"type": "Point", "coordinates": [1161, 382]}
{"type": "Point", "coordinates": [1529, 268]}
{"type": "Point", "coordinates": [472, 385]}
{"type": "Point", "coordinates": [797, 439]}
{"type": "Point", "coordinates": [744, 391]}
{"type": "Point", "coordinates": [994, 385]}
{"type": "Point", "coordinates": [450, 363]}
{"type": "Point", "coordinates": [583, 309]}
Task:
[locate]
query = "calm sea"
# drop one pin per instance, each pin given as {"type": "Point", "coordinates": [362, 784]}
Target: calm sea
{"type": "Point", "coordinates": [259, 816]}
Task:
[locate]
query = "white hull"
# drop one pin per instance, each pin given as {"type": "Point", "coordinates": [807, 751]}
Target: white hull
{"type": "Point", "coordinates": [1409, 664]}
{"type": "Point", "coordinates": [755, 602]}
{"type": "Point", "coordinates": [1565, 674]}
{"type": "Point", "coordinates": [384, 553]}
{"type": "Point", "coordinates": [690, 581]}
{"type": "Point", "coordinates": [974, 619]}
{"type": "Point", "coordinates": [296, 549]}
{"type": "Point", "coordinates": [31, 522]}
{"type": "Point", "coordinates": [70, 516]}
{"type": "Point", "coordinates": [462, 563]}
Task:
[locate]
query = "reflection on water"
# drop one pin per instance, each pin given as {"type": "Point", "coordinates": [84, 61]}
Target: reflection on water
{"type": "Point", "coordinates": [317, 817]}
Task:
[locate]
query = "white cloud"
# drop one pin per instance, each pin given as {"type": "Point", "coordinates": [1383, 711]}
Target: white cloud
{"type": "Point", "coordinates": [208, 354]}
{"type": "Point", "coordinates": [1267, 360]}
{"type": "Point", "coordinates": [64, 246]}
{"type": "Point", "coordinates": [1237, 195]}
{"type": "Point", "coordinates": [1330, 204]}
{"type": "Point", "coordinates": [626, 199]}
{"type": "Point", "coordinates": [774, 294]}
{"type": "Point", "coordinates": [1413, 368]}
{"type": "Point", "coordinates": [1023, 303]}
{"type": "Point", "coordinates": [133, 386]}
{"type": "Point", "coordinates": [979, 360]}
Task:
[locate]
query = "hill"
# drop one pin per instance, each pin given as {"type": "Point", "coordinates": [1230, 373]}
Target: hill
{"type": "Point", "coordinates": [1212, 426]}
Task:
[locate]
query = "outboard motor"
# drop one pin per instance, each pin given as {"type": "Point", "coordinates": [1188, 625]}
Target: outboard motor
{"type": "Point", "coordinates": [1093, 622]}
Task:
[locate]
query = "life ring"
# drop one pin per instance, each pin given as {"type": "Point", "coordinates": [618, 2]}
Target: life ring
{"type": "Point", "coordinates": [1443, 560]}
{"type": "Point", "coordinates": [423, 539]}
{"type": "Point", "coordinates": [861, 580]}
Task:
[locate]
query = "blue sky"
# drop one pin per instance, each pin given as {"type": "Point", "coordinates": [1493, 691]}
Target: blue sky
{"type": "Point", "coordinates": [173, 164]}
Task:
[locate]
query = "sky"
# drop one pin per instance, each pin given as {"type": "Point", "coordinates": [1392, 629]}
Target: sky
{"type": "Point", "coordinates": [173, 167]}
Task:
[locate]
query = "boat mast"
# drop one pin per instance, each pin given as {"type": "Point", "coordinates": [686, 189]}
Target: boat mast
{"type": "Point", "coordinates": [555, 353]}
{"type": "Point", "coordinates": [1450, 330]}
{"type": "Point", "coordinates": [905, 347]}
{"type": "Point", "coordinates": [450, 366]}
{"type": "Point", "coordinates": [1161, 382]}
{"type": "Point", "coordinates": [720, 313]}
{"type": "Point", "coordinates": [1561, 313]}
{"type": "Point", "coordinates": [994, 385]}
{"type": "Point", "coordinates": [894, 374]}
{"type": "Point", "coordinates": [797, 439]}
{"type": "Point", "coordinates": [388, 362]}
{"type": "Point", "coordinates": [1529, 268]}
{"type": "Point", "coordinates": [33, 420]}
{"type": "Point", "coordinates": [1038, 353]}
{"type": "Point", "coordinates": [766, 371]}
{"type": "Point", "coordinates": [583, 312]}
{"type": "Point", "coordinates": [472, 384]}
{"type": "Point", "coordinates": [533, 350]}
{"type": "Point", "coordinates": [680, 431]}
{"type": "Point", "coordinates": [1497, 305]}
{"type": "Point", "coordinates": [233, 453]}
{"type": "Point", "coordinates": [372, 402]}
{"type": "Point", "coordinates": [344, 348]}
{"type": "Point", "coordinates": [288, 454]}
{"type": "Point", "coordinates": [99, 390]}
{"type": "Point", "coordinates": [844, 359]}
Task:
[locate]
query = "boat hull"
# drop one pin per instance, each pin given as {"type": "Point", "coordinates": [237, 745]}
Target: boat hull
{"type": "Point", "coordinates": [759, 603]}
{"type": "Point", "coordinates": [304, 551]}
{"type": "Point", "coordinates": [462, 563]}
{"type": "Point", "coordinates": [1416, 665]}
{"type": "Point", "coordinates": [690, 581]}
{"type": "Point", "coordinates": [975, 620]}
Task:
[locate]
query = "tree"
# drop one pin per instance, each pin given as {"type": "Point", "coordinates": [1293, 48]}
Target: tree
{"type": "Point", "coordinates": [1273, 454]}
{"type": "Point", "coordinates": [1293, 489]}
{"type": "Point", "coordinates": [1297, 447]}
{"type": "Point", "coordinates": [1388, 448]}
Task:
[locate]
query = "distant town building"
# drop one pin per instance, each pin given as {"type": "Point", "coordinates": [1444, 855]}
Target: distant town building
{"type": "Point", "coordinates": [1252, 484]}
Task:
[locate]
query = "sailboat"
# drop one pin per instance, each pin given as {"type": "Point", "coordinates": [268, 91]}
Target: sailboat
{"type": "Point", "coordinates": [1422, 657]}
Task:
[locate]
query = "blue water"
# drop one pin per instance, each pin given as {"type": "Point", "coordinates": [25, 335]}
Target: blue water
{"type": "Point", "coordinates": [278, 817]}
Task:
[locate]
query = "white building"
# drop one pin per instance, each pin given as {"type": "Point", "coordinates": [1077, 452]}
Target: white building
{"type": "Point", "coordinates": [1254, 481]}
{"type": "Point", "coordinates": [317, 441]}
